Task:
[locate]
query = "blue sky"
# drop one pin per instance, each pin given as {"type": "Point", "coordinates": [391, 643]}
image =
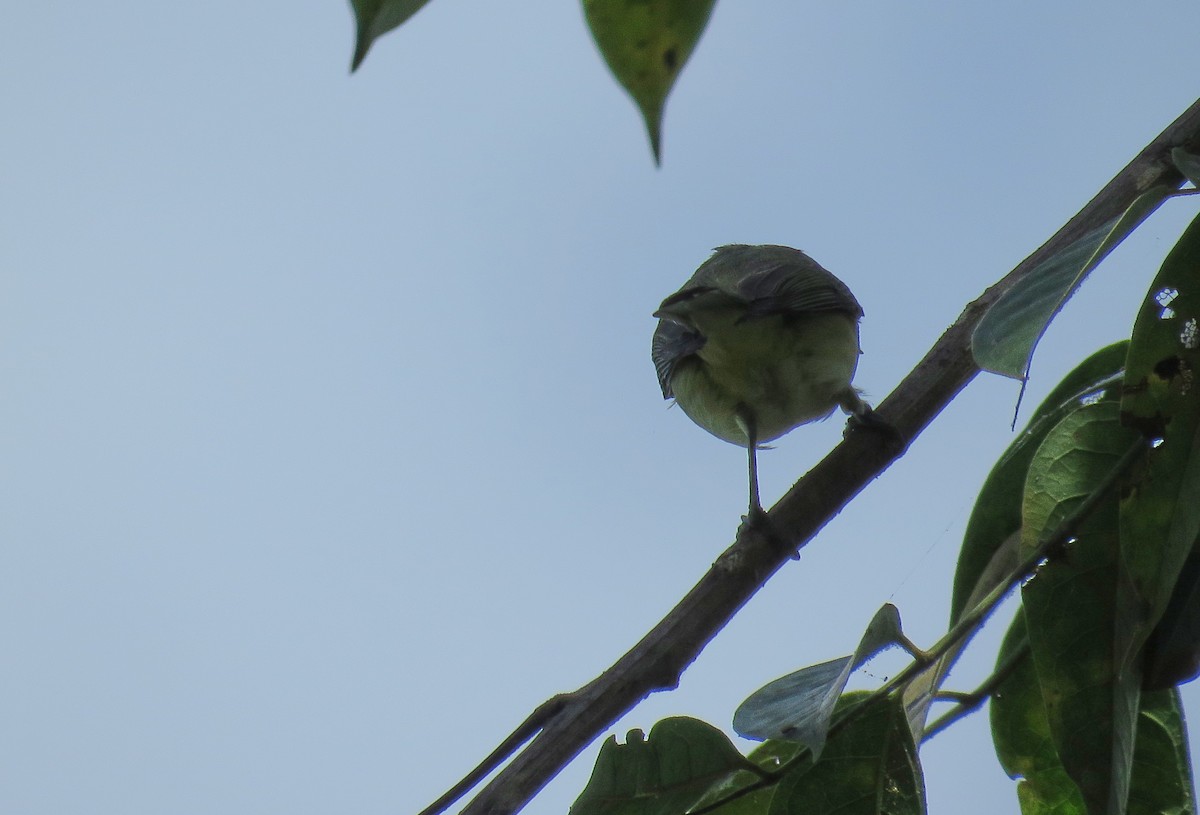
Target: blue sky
{"type": "Point", "coordinates": [331, 441]}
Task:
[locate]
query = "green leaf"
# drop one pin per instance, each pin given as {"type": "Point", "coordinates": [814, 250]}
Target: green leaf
{"type": "Point", "coordinates": [997, 512]}
{"type": "Point", "coordinates": [1005, 338]}
{"type": "Point", "coordinates": [770, 756]}
{"type": "Point", "coordinates": [1073, 608]}
{"type": "Point", "coordinates": [646, 43]}
{"type": "Point", "coordinates": [376, 18]}
{"type": "Point", "coordinates": [666, 773]}
{"type": "Point", "coordinates": [1162, 770]}
{"type": "Point", "coordinates": [991, 544]}
{"type": "Point", "coordinates": [1187, 163]}
{"type": "Point", "coordinates": [798, 707]}
{"type": "Point", "coordinates": [1161, 774]}
{"type": "Point", "coordinates": [1160, 510]}
{"type": "Point", "coordinates": [1172, 653]}
{"type": "Point", "coordinates": [869, 767]}
{"type": "Point", "coordinates": [1021, 735]}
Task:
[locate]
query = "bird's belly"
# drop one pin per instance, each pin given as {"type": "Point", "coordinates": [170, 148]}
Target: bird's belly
{"type": "Point", "coordinates": [782, 373]}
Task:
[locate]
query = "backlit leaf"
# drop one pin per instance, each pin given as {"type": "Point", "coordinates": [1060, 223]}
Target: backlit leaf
{"type": "Point", "coordinates": [869, 767]}
{"type": "Point", "coordinates": [1005, 338]}
{"type": "Point", "coordinates": [1160, 510]}
{"type": "Point", "coordinates": [1073, 608]}
{"type": "Point", "coordinates": [997, 511]}
{"type": "Point", "coordinates": [646, 43]}
{"type": "Point", "coordinates": [665, 773]}
{"type": "Point", "coordinates": [374, 18]}
{"type": "Point", "coordinates": [798, 707]}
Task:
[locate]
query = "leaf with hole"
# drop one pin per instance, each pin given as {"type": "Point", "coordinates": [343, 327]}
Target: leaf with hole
{"type": "Point", "coordinates": [1160, 509]}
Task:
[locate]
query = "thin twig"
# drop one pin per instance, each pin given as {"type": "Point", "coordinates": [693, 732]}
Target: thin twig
{"type": "Point", "coordinates": [968, 702]}
{"type": "Point", "coordinates": [524, 732]}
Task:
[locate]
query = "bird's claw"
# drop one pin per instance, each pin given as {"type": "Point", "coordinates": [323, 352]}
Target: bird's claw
{"type": "Point", "coordinates": [868, 419]}
{"type": "Point", "coordinates": [757, 521]}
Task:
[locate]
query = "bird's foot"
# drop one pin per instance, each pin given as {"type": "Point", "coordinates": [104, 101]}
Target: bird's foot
{"type": "Point", "coordinates": [756, 521]}
{"type": "Point", "coordinates": [867, 419]}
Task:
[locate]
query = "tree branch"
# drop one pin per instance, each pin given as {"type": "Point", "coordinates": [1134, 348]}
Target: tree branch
{"type": "Point", "coordinates": [659, 659]}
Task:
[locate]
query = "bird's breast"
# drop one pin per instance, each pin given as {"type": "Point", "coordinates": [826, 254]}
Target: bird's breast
{"type": "Point", "coordinates": [784, 370]}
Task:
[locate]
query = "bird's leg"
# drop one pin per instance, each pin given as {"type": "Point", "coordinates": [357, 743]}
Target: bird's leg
{"type": "Point", "coordinates": [756, 516]}
{"type": "Point", "coordinates": [755, 504]}
{"type": "Point", "coordinates": [745, 420]}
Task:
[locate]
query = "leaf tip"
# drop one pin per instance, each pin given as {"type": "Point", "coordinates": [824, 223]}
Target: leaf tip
{"type": "Point", "coordinates": [653, 119]}
{"type": "Point", "coordinates": [362, 43]}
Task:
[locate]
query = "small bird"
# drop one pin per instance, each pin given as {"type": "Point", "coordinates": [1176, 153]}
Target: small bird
{"type": "Point", "coordinates": [762, 339]}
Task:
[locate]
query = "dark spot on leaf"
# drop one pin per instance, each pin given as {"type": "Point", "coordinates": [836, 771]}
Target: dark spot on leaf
{"type": "Point", "coordinates": [1152, 427]}
{"type": "Point", "coordinates": [1168, 368]}
{"type": "Point", "coordinates": [670, 58]}
{"type": "Point", "coordinates": [1135, 387]}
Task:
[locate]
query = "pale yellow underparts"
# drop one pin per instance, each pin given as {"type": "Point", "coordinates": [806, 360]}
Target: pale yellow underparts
{"type": "Point", "coordinates": [792, 370]}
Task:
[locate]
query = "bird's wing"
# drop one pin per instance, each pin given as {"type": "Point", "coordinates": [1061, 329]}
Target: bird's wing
{"type": "Point", "coordinates": [770, 280]}
{"type": "Point", "coordinates": [686, 295]}
{"type": "Point", "coordinates": [672, 342]}
{"type": "Point", "coordinates": [793, 288]}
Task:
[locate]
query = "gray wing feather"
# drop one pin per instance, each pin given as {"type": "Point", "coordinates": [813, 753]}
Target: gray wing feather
{"type": "Point", "coordinates": [672, 342]}
{"type": "Point", "coordinates": [776, 280]}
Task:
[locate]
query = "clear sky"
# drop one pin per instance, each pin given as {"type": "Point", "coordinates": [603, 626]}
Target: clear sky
{"type": "Point", "coordinates": [331, 443]}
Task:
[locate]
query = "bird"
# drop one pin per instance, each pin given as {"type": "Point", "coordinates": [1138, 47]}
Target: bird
{"type": "Point", "coordinates": [760, 340]}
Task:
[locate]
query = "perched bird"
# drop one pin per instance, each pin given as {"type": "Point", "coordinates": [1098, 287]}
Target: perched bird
{"type": "Point", "coordinates": [762, 339]}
